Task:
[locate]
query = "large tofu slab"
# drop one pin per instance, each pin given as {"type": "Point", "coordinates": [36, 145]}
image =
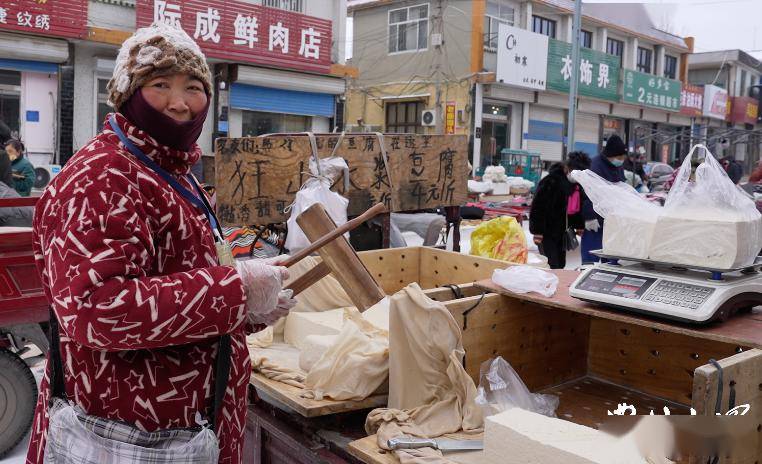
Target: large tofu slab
{"type": "Point", "coordinates": [300, 325]}
{"type": "Point", "coordinates": [707, 237]}
{"type": "Point", "coordinates": [628, 236]}
{"type": "Point", "coordinates": [517, 436]}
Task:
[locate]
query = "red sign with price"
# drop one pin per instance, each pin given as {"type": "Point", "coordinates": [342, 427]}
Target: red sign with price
{"type": "Point", "coordinates": [242, 32]}
{"type": "Point", "coordinates": [58, 18]}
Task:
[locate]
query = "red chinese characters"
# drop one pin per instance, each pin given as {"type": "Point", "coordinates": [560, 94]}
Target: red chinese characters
{"type": "Point", "coordinates": [45, 17]}
{"type": "Point", "coordinates": [242, 32]}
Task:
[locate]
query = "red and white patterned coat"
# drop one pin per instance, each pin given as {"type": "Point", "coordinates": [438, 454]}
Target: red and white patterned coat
{"type": "Point", "coordinates": [131, 270]}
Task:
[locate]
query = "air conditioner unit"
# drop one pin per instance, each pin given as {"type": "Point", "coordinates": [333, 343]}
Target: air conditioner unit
{"type": "Point", "coordinates": [429, 118]}
{"type": "Point", "coordinates": [44, 174]}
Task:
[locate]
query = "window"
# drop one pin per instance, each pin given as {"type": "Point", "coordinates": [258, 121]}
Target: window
{"type": "Point", "coordinates": [544, 26]}
{"type": "Point", "coordinates": [10, 77]}
{"type": "Point", "coordinates": [586, 39]}
{"type": "Point", "coordinates": [404, 117]}
{"type": "Point", "coordinates": [496, 13]}
{"type": "Point", "coordinates": [670, 67]}
{"type": "Point", "coordinates": [255, 123]}
{"type": "Point", "coordinates": [102, 109]}
{"type": "Point", "coordinates": [615, 47]}
{"type": "Point", "coordinates": [409, 29]}
{"type": "Point", "coordinates": [645, 58]}
{"type": "Point", "coordinates": [289, 5]}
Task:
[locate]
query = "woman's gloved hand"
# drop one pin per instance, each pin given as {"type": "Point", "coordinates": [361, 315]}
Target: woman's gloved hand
{"type": "Point", "coordinates": [592, 225]}
{"type": "Point", "coordinates": [266, 300]}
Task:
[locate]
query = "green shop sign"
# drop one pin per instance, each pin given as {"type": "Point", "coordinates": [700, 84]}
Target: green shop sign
{"type": "Point", "coordinates": [598, 71]}
{"type": "Point", "coordinates": [652, 91]}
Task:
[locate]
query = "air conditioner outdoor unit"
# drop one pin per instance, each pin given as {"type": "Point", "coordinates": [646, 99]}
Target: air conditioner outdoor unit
{"type": "Point", "coordinates": [429, 118]}
{"type": "Point", "coordinates": [44, 174]}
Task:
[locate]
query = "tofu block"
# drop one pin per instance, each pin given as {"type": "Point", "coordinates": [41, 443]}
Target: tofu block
{"type": "Point", "coordinates": [628, 236]}
{"type": "Point", "coordinates": [517, 436]}
{"type": "Point", "coordinates": [378, 314]}
{"type": "Point", "coordinates": [301, 325]}
{"type": "Point", "coordinates": [313, 348]}
{"type": "Point", "coordinates": [707, 237]}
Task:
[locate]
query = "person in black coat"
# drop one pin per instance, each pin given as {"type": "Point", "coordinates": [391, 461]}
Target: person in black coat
{"type": "Point", "coordinates": [547, 217]}
{"type": "Point", "coordinates": [608, 165]}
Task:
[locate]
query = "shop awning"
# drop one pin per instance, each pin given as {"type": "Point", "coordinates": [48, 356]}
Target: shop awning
{"type": "Point", "coordinates": [257, 98]}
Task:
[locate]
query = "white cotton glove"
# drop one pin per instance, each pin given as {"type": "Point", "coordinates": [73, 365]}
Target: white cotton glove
{"type": "Point", "coordinates": [266, 301]}
{"type": "Point", "coordinates": [592, 225]}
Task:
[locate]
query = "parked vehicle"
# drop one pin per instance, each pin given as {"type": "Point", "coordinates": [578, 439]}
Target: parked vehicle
{"type": "Point", "coordinates": [23, 321]}
{"type": "Point", "coordinates": [658, 174]}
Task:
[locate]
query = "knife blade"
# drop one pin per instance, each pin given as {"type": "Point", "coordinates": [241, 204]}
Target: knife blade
{"type": "Point", "coordinates": [442, 444]}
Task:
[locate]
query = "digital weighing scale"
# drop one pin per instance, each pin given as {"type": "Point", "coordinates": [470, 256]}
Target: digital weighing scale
{"type": "Point", "coordinates": [695, 295]}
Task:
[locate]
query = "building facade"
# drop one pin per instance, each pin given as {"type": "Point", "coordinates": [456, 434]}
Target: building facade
{"type": "Point", "coordinates": [278, 66]}
{"type": "Point", "coordinates": [630, 84]}
{"type": "Point", "coordinates": [729, 122]}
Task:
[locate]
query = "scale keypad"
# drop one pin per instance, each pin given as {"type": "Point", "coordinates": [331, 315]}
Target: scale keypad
{"type": "Point", "coordinates": [679, 294]}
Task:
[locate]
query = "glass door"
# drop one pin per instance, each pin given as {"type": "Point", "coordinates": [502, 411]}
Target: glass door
{"type": "Point", "coordinates": [494, 138]}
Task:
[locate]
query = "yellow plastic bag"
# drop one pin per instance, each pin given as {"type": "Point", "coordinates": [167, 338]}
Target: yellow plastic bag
{"type": "Point", "coordinates": [500, 238]}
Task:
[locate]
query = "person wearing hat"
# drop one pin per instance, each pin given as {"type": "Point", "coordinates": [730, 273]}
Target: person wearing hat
{"type": "Point", "coordinates": [609, 166]}
{"type": "Point", "coordinates": [142, 287]}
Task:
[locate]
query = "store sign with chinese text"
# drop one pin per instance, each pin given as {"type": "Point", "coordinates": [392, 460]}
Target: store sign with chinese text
{"type": "Point", "coordinates": [651, 91]}
{"type": "Point", "coordinates": [522, 58]}
{"type": "Point", "coordinates": [744, 110]}
{"type": "Point", "coordinates": [242, 32]}
{"type": "Point", "coordinates": [716, 102]}
{"type": "Point", "coordinates": [55, 18]}
{"type": "Point", "coordinates": [692, 100]}
{"type": "Point", "coordinates": [598, 72]}
{"type": "Point", "coordinates": [450, 118]}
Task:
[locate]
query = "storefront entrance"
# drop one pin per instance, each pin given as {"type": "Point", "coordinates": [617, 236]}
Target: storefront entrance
{"type": "Point", "coordinates": [259, 122]}
{"type": "Point", "coordinates": [495, 132]}
{"type": "Point", "coordinates": [10, 100]}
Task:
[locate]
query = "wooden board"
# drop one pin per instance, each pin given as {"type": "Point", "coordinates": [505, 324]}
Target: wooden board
{"type": "Point", "coordinates": [587, 400]}
{"type": "Point", "coordinates": [393, 268]}
{"type": "Point", "coordinates": [743, 330]}
{"type": "Point", "coordinates": [744, 372]}
{"type": "Point", "coordinates": [440, 267]}
{"type": "Point", "coordinates": [290, 397]}
{"type": "Point", "coordinates": [654, 361]}
{"type": "Point", "coordinates": [258, 177]}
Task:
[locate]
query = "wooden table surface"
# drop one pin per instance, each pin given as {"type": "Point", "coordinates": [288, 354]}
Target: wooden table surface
{"type": "Point", "coordinates": [742, 329]}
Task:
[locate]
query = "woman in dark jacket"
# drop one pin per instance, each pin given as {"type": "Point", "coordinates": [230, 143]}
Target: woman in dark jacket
{"type": "Point", "coordinates": [15, 216]}
{"type": "Point", "coordinates": [23, 171]}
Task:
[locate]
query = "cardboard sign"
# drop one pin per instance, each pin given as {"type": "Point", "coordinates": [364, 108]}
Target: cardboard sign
{"type": "Point", "coordinates": [257, 177]}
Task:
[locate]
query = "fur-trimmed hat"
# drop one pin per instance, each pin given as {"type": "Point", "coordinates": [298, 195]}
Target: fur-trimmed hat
{"type": "Point", "coordinates": [154, 51]}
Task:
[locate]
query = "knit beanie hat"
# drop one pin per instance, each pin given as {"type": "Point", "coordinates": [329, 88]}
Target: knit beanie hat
{"type": "Point", "coordinates": [614, 147]}
{"type": "Point", "coordinates": [155, 51]}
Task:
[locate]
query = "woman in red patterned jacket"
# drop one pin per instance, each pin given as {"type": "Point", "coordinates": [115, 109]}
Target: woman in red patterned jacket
{"type": "Point", "coordinates": [130, 264]}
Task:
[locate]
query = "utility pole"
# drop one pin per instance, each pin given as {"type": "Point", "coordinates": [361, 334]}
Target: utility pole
{"type": "Point", "coordinates": [574, 84]}
{"type": "Point", "coordinates": [438, 27]}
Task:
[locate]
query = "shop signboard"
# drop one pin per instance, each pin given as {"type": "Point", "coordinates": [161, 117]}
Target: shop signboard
{"type": "Point", "coordinates": [53, 18]}
{"type": "Point", "coordinates": [651, 91]}
{"type": "Point", "coordinates": [692, 100]}
{"type": "Point", "coordinates": [716, 102]}
{"type": "Point", "coordinates": [450, 118]}
{"type": "Point", "coordinates": [744, 110]}
{"type": "Point", "coordinates": [522, 58]}
{"type": "Point", "coordinates": [598, 71]}
{"type": "Point", "coordinates": [242, 32]}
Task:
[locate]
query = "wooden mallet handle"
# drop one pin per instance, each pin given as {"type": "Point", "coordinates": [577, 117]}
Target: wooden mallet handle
{"type": "Point", "coordinates": [333, 235]}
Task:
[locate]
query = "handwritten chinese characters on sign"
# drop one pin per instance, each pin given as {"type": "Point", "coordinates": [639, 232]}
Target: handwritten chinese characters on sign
{"type": "Point", "coordinates": [60, 19]}
{"type": "Point", "coordinates": [598, 72]}
{"type": "Point", "coordinates": [258, 177]}
{"type": "Point", "coordinates": [651, 91]}
{"type": "Point", "coordinates": [244, 32]}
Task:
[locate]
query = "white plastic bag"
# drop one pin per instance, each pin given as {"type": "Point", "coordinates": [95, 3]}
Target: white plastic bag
{"type": "Point", "coordinates": [707, 221]}
{"type": "Point", "coordinates": [630, 218]}
{"type": "Point", "coordinates": [317, 189]}
{"type": "Point", "coordinates": [501, 388]}
{"type": "Point", "coordinates": [525, 279]}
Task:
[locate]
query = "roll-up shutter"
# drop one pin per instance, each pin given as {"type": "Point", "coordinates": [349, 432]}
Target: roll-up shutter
{"type": "Point", "coordinates": [546, 132]}
{"type": "Point", "coordinates": [255, 98]}
{"type": "Point", "coordinates": [586, 127]}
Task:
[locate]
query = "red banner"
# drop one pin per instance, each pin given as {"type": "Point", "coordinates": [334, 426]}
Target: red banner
{"type": "Point", "coordinates": [744, 110]}
{"type": "Point", "coordinates": [692, 100]}
{"type": "Point", "coordinates": [241, 32]}
{"type": "Point", "coordinates": [58, 18]}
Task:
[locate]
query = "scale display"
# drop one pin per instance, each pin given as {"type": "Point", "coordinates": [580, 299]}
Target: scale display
{"type": "Point", "coordinates": [616, 284]}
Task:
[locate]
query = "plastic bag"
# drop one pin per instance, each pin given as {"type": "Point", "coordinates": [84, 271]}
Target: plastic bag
{"type": "Point", "coordinates": [317, 189]}
{"type": "Point", "coordinates": [500, 238]}
{"type": "Point", "coordinates": [501, 388]}
{"type": "Point", "coordinates": [525, 279]}
{"type": "Point", "coordinates": [707, 220]}
{"type": "Point", "coordinates": [630, 218]}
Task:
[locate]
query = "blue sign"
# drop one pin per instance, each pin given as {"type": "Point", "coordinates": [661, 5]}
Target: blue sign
{"type": "Point", "coordinates": [33, 116]}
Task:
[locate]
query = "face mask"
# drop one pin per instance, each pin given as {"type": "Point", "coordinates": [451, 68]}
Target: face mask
{"type": "Point", "coordinates": [617, 163]}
